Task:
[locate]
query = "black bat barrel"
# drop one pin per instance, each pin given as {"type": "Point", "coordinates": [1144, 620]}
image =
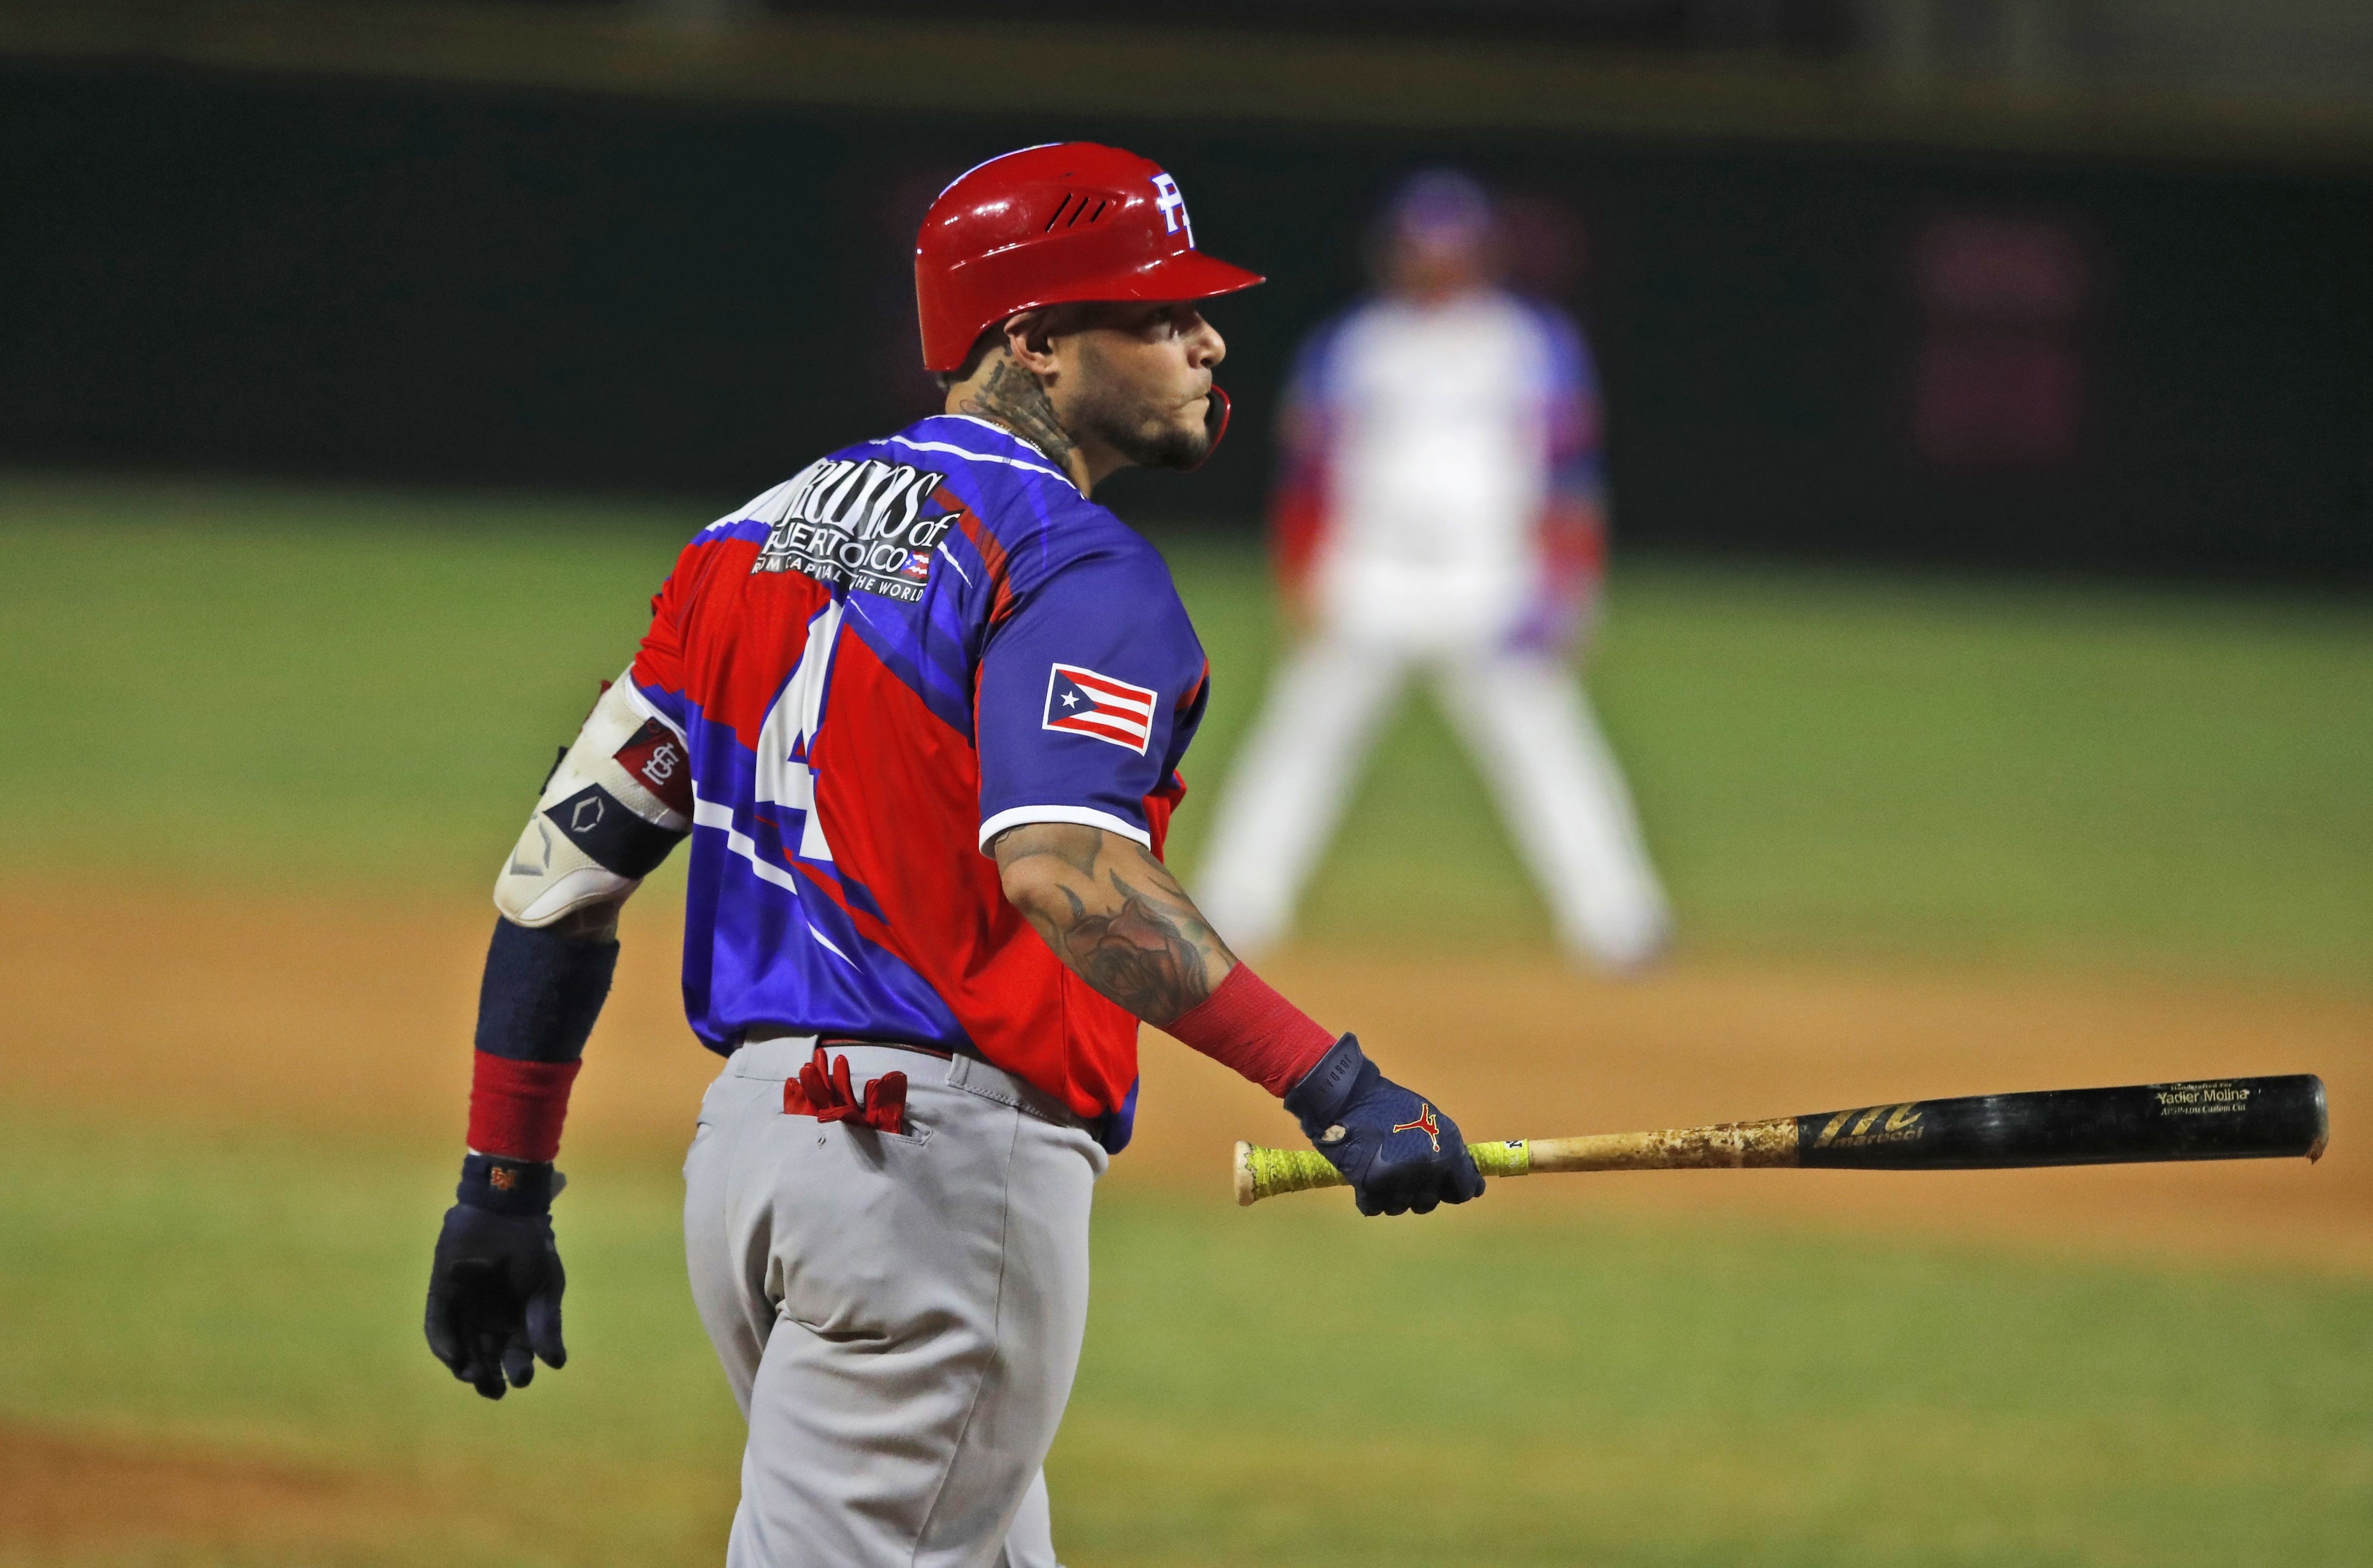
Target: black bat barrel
{"type": "Point", "coordinates": [2223, 1118]}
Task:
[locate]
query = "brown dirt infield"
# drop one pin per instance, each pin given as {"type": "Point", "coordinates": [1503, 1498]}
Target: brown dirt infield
{"type": "Point", "coordinates": [230, 1010]}
{"type": "Point", "coordinates": [66, 1494]}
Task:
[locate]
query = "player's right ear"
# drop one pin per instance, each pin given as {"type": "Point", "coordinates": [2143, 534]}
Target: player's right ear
{"type": "Point", "coordinates": [1030, 342]}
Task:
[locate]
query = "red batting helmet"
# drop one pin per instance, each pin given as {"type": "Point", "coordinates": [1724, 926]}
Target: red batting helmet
{"type": "Point", "coordinates": [1049, 225]}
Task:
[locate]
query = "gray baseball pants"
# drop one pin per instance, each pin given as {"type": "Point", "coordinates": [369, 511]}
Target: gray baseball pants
{"type": "Point", "coordinates": [899, 1316]}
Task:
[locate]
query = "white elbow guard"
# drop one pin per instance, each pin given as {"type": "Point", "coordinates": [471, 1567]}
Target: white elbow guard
{"type": "Point", "coordinates": [616, 802]}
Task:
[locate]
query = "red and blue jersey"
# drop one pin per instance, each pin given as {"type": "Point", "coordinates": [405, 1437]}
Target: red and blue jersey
{"type": "Point", "coordinates": [877, 666]}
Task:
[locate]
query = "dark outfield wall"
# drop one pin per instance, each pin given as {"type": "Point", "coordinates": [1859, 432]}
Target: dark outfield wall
{"type": "Point", "coordinates": [444, 286]}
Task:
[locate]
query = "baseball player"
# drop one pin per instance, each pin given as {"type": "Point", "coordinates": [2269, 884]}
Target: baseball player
{"type": "Point", "coordinates": [1441, 510]}
{"type": "Point", "coordinates": [920, 709]}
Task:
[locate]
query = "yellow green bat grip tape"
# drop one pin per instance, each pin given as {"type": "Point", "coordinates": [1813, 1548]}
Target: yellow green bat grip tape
{"type": "Point", "coordinates": [1264, 1173]}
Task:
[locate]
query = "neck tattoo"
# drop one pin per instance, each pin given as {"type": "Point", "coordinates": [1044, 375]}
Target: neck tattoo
{"type": "Point", "coordinates": [1012, 397]}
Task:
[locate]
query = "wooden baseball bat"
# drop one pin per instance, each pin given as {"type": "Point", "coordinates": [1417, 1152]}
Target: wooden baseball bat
{"type": "Point", "coordinates": [2222, 1118]}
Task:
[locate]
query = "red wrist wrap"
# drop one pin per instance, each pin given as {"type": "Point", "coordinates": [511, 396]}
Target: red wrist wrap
{"type": "Point", "coordinates": [516, 1107]}
{"type": "Point", "coordinates": [1249, 1027]}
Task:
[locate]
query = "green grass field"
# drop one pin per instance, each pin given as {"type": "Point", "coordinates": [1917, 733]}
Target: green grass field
{"type": "Point", "coordinates": [321, 692]}
{"type": "Point", "coordinates": [1289, 1386]}
{"type": "Point", "coordinates": [277, 685]}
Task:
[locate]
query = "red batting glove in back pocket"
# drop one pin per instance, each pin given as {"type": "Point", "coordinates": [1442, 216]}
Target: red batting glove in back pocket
{"type": "Point", "coordinates": [825, 1092]}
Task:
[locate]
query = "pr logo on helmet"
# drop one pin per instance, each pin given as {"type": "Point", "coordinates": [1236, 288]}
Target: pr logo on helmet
{"type": "Point", "coordinates": [1174, 208]}
{"type": "Point", "coordinates": [1426, 1124]}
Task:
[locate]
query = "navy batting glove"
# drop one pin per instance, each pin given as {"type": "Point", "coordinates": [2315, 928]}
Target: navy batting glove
{"type": "Point", "coordinates": [1397, 1150]}
{"type": "Point", "coordinates": [494, 1288]}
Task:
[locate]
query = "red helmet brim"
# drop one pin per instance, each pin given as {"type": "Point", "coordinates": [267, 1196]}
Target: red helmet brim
{"type": "Point", "coordinates": [1190, 275]}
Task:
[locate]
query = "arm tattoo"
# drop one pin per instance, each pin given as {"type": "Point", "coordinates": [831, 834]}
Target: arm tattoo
{"type": "Point", "coordinates": [1012, 397]}
{"type": "Point", "coordinates": [1141, 955]}
{"type": "Point", "coordinates": [1138, 939]}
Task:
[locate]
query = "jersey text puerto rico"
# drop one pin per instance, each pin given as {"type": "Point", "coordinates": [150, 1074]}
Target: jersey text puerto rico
{"type": "Point", "coordinates": [857, 523]}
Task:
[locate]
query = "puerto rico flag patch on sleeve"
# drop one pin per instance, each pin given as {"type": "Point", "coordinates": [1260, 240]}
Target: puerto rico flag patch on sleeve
{"type": "Point", "coordinates": [1082, 702]}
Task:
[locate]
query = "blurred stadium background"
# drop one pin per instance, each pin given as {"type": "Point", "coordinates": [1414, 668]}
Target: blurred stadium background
{"type": "Point", "coordinates": [1991, 392]}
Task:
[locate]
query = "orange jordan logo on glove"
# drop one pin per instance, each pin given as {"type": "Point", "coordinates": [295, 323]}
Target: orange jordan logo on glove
{"type": "Point", "coordinates": [1425, 1124]}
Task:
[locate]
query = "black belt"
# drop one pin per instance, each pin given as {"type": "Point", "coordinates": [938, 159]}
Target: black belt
{"type": "Point", "coordinates": [886, 1044]}
{"type": "Point", "coordinates": [768, 1032]}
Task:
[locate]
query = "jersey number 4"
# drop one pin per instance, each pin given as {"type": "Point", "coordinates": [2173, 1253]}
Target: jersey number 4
{"type": "Point", "coordinates": [786, 740]}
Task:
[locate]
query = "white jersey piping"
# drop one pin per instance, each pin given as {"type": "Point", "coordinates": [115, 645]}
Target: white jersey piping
{"type": "Point", "coordinates": [1084, 816]}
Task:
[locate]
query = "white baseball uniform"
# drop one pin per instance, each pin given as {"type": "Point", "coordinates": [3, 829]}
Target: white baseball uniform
{"type": "Point", "coordinates": [1443, 477]}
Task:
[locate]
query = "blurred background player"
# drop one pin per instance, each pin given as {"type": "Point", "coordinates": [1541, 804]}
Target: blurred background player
{"type": "Point", "coordinates": [1441, 508]}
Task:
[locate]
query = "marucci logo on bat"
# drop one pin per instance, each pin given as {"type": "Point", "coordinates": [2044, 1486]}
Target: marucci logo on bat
{"type": "Point", "coordinates": [1901, 1125]}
